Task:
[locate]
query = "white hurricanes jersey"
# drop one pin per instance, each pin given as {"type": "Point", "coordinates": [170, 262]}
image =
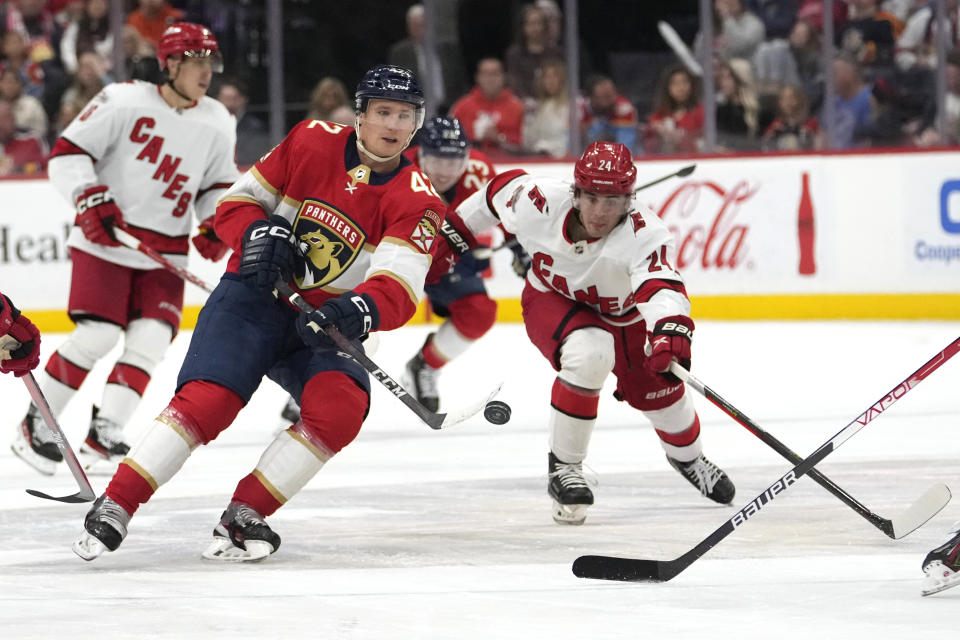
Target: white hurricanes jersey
{"type": "Point", "coordinates": [164, 166]}
{"type": "Point", "coordinates": [626, 276]}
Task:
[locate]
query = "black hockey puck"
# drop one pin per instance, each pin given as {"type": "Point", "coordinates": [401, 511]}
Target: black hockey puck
{"type": "Point", "coordinates": [497, 412]}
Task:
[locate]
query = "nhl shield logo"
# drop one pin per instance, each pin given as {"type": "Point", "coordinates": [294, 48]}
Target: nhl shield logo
{"type": "Point", "coordinates": [332, 243]}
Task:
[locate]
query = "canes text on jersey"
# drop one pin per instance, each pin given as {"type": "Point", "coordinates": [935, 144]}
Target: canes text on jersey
{"type": "Point", "coordinates": [152, 148]}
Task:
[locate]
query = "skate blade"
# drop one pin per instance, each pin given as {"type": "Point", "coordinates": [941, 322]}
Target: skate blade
{"type": "Point", "coordinates": [574, 514]}
{"type": "Point", "coordinates": [22, 449]}
{"type": "Point", "coordinates": [223, 550]}
{"type": "Point", "coordinates": [935, 580]}
{"type": "Point", "coordinates": [88, 547]}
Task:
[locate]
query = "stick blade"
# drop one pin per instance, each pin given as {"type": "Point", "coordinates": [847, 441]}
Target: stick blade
{"type": "Point", "coordinates": [454, 417]}
{"type": "Point", "coordinates": [623, 569]}
{"type": "Point", "coordinates": [84, 495]}
{"type": "Point", "coordinates": [928, 505]}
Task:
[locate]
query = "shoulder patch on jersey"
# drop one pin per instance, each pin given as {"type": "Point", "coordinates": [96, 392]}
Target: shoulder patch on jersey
{"type": "Point", "coordinates": [638, 221]}
{"type": "Point", "coordinates": [332, 239]}
{"type": "Point", "coordinates": [512, 201]}
{"type": "Point", "coordinates": [426, 231]}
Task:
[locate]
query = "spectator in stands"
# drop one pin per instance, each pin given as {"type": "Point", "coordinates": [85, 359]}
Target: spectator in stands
{"type": "Point", "coordinates": [252, 138]}
{"type": "Point", "coordinates": [870, 33]}
{"type": "Point", "coordinates": [491, 115]}
{"type": "Point", "coordinates": [139, 57]}
{"type": "Point", "coordinates": [777, 16]}
{"type": "Point", "coordinates": [90, 78]}
{"type": "Point", "coordinates": [32, 20]}
{"type": "Point", "coordinates": [327, 96]}
{"type": "Point", "coordinates": [546, 129]}
{"type": "Point", "coordinates": [676, 124]}
{"type": "Point", "coordinates": [90, 31]}
{"type": "Point", "coordinates": [930, 135]}
{"type": "Point", "coordinates": [738, 32]}
{"type": "Point", "coordinates": [27, 110]}
{"type": "Point", "coordinates": [737, 106]}
{"type": "Point", "coordinates": [555, 35]}
{"type": "Point", "coordinates": [17, 57]}
{"type": "Point", "coordinates": [607, 115]}
{"type": "Point", "coordinates": [794, 128]}
{"type": "Point", "coordinates": [853, 103]}
{"type": "Point", "coordinates": [448, 81]}
{"type": "Point", "coordinates": [530, 49]}
{"type": "Point", "coordinates": [916, 47]}
{"type": "Point", "coordinates": [20, 151]}
{"type": "Point", "coordinates": [808, 59]}
{"type": "Point", "coordinates": [152, 18]}
{"type": "Point", "coordinates": [812, 11]}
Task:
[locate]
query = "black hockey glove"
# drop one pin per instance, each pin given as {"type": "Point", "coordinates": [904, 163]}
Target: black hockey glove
{"type": "Point", "coordinates": [354, 314]}
{"type": "Point", "coordinates": [474, 262]}
{"type": "Point", "coordinates": [270, 253]}
{"type": "Point", "coordinates": [521, 259]}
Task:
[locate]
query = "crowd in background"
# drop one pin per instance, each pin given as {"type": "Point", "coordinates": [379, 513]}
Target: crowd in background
{"type": "Point", "coordinates": [768, 75]}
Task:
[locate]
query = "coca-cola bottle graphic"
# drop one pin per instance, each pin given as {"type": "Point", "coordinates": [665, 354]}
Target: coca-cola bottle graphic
{"type": "Point", "coordinates": [805, 230]}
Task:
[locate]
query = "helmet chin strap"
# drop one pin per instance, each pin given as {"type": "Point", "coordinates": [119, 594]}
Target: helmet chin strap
{"type": "Point", "coordinates": [174, 87]}
{"type": "Point", "coordinates": [374, 156]}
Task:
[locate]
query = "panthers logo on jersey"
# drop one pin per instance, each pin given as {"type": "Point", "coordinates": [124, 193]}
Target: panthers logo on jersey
{"type": "Point", "coordinates": [332, 242]}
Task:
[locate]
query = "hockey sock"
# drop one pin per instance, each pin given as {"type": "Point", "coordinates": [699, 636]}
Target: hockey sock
{"type": "Point", "coordinates": [145, 343]}
{"type": "Point", "coordinates": [678, 427]}
{"type": "Point", "coordinates": [573, 412]}
{"type": "Point", "coordinates": [69, 365]}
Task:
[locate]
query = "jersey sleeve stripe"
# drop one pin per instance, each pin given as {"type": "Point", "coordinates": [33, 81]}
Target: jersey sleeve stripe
{"type": "Point", "coordinates": [650, 287]}
{"type": "Point", "coordinates": [213, 187]}
{"type": "Point", "coordinates": [64, 147]}
{"type": "Point", "coordinates": [497, 184]}
{"type": "Point", "coordinates": [398, 280]}
{"type": "Point", "coordinates": [263, 182]}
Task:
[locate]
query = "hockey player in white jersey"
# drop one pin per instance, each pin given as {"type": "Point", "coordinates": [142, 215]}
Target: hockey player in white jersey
{"type": "Point", "coordinates": [147, 158]}
{"type": "Point", "coordinates": [602, 286]}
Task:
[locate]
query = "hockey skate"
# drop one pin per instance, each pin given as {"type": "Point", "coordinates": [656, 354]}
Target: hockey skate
{"type": "Point", "coordinates": [569, 490]}
{"type": "Point", "coordinates": [942, 565]}
{"type": "Point", "coordinates": [104, 529]}
{"type": "Point", "coordinates": [104, 447]}
{"type": "Point", "coordinates": [35, 443]}
{"type": "Point", "coordinates": [422, 378]}
{"type": "Point", "coordinates": [242, 535]}
{"type": "Point", "coordinates": [707, 477]}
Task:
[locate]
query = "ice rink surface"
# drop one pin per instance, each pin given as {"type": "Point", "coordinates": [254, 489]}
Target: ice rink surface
{"type": "Point", "coordinates": [412, 533]}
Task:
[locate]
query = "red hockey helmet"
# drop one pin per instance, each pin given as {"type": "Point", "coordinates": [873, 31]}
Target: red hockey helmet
{"type": "Point", "coordinates": [605, 168]}
{"type": "Point", "coordinates": [191, 40]}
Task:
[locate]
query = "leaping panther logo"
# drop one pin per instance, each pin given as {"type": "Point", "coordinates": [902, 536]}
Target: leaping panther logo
{"type": "Point", "coordinates": [331, 240]}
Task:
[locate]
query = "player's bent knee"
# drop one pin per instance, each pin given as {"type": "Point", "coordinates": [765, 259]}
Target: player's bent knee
{"type": "Point", "coordinates": [587, 357]}
{"type": "Point", "coordinates": [473, 315]}
{"type": "Point", "coordinates": [204, 409]}
{"type": "Point", "coordinates": [92, 339]}
{"type": "Point", "coordinates": [145, 343]}
{"type": "Point", "coordinates": [333, 409]}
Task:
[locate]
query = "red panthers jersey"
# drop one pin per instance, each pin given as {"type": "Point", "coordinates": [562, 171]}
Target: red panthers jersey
{"type": "Point", "coordinates": [365, 231]}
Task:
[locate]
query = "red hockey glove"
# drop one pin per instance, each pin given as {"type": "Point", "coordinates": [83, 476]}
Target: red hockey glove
{"type": "Point", "coordinates": [207, 243]}
{"type": "Point", "coordinates": [354, 314]}
{"type": "Point", "coordinates": [670, 339]}
{"type": "Point", "coordinates": [18, 327]}
{"type": "Point", "coordinates": [97, 214]}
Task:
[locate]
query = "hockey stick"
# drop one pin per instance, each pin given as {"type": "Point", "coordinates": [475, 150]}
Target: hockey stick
{"type": "Point", "coordinates": [433, 420]}
{"type": "Point", "coordinates": [680, 173]}
{"type": "Point", "coordinates": [130, 241]}
{"type": "Point", "coordinates": [86, 493]}
{"type": "Point", "coordinates": [903, 524]}
{"type": "Point", "coordinates": [639, 570]}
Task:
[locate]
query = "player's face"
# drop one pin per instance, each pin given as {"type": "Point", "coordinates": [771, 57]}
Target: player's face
{"type": "Point", "coordinates": [193, 75]}
{"type": "Point", "coordinates": [443, 172]}
{"type": "Point", "coordinates": [599, 214]}
{"type": "Point", "coordinates": [386, 126]}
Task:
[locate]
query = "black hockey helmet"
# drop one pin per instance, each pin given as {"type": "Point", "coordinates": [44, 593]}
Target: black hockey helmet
{"type": "Point", "coordinates": [390, 82]}
{"type": "Point", "coordinates": [444, 137]}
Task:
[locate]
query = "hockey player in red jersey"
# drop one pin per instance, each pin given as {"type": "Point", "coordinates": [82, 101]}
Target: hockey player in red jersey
{"type": "Point", "coordinates": [454, 284]}
{"type": "Point", "coordinates": [601, 289]}
{"type": "Point", "coordinates": [19, 340]}
{"type": "Point", "coordinates": [343, 217]}
{"type": "Point", "coordinates": [146, 158]}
